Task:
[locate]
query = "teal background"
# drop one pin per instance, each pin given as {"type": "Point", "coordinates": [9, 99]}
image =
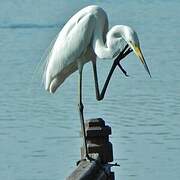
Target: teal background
{"type": "Point", "coordinates": [40, 133]}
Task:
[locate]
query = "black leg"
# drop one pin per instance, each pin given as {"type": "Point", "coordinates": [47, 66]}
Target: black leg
{"type": "Point", "coordinates": [123, 54]}
{"type": "Point", "coordinates": [81, 108]}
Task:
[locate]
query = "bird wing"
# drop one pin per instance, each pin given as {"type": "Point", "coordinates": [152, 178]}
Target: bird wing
{"type": "Point", "coordinates": [70, 46]}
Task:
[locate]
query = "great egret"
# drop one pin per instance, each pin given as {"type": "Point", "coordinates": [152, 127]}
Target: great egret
{"type": "Point", "coordinates": [83, 38]}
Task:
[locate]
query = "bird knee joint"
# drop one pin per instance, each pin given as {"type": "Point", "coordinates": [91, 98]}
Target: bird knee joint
{"type": "Point", "coordinates": [99, 98]}
{"type": "Point", "coordinates": [116, 61]}
{"type": "Point", "coordinates": [81, 106]}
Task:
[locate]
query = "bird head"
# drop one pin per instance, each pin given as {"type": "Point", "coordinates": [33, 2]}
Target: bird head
{"type": "Point", "coordinates": [130, 36]}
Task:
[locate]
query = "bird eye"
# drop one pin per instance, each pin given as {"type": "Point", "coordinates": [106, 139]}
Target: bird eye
{"type": "Point", "coordinates": [117, 35]}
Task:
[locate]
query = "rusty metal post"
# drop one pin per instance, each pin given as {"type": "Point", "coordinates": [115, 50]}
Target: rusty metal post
{"type": "Point", "coordinates": [97, 134]}
{"type": "Point", "coordinates": [100, 149]}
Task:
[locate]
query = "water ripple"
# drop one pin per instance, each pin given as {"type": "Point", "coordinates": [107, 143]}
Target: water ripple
{"type": "Point", "coordinates": [38, 130]}
{"type": "Point", "coordinates": [29, 26]}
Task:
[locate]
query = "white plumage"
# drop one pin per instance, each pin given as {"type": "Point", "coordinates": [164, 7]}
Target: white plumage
{"type": "Point", "coordinates": [83, 38]}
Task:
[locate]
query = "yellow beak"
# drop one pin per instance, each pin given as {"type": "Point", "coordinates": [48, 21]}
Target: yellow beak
{"type": "Point", "coordinates": [139, 54]}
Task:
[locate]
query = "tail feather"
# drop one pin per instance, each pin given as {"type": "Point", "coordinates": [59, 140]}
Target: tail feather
{"type": "Point", "coordinates": [49, 53]}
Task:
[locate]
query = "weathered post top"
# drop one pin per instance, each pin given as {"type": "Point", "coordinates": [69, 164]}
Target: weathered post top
{"type": "Point", "coordinates": [100, 149]}
{"type": "Point", "coordinates": [97, 134]}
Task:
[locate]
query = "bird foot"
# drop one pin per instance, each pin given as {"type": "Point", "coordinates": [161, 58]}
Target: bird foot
{"type": "Point", "coordinates": [122, 69]}
{"type": "Point", "coordinates": [117, 63]}
{"type": "Point", "coordinates": [115, 164]}
{"type": "Point", "coordinates": [87, 158]}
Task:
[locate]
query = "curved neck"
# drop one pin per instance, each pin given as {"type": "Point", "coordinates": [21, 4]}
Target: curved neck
{"type": "Point", "coordinates": [112, 46]}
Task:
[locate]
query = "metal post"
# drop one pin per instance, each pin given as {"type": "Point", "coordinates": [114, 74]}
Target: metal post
{"type": "Point", "coordinates": [100, 149]}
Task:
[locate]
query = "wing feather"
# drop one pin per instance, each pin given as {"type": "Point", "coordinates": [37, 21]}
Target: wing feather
{"type": "Point", "coordinates": [70, 45]}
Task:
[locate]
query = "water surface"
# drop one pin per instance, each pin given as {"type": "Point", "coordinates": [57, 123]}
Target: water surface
{"type": "Point", "coordinates": [39, 133]}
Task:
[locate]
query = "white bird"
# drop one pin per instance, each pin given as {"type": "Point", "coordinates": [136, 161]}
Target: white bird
{"type": "Point", "coordinates": [83, 38]}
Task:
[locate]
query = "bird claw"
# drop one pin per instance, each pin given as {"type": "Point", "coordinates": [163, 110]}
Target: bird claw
{"type": "Point", "coordinates": [122, 69]}
{"type": "Point", "coordinates": [115, 164]}
{"type": "Point", "coordinates": [88, 159]}
{"type": "Point", "coordinates": [122, 55]}
{"type": "Point", "coordinates": [117, 62]}
{"type": "Point", "coordinates": [108, 166]}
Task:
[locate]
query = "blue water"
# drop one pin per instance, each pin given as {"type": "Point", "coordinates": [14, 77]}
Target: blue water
{"type": "Point", "coordinates": [39, 132]}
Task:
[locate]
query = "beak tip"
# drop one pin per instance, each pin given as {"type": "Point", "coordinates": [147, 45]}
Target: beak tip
{"type": "Point", "coordinates": [150, 75]}
{"type": "Point", "coordinates": [141, 57]}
